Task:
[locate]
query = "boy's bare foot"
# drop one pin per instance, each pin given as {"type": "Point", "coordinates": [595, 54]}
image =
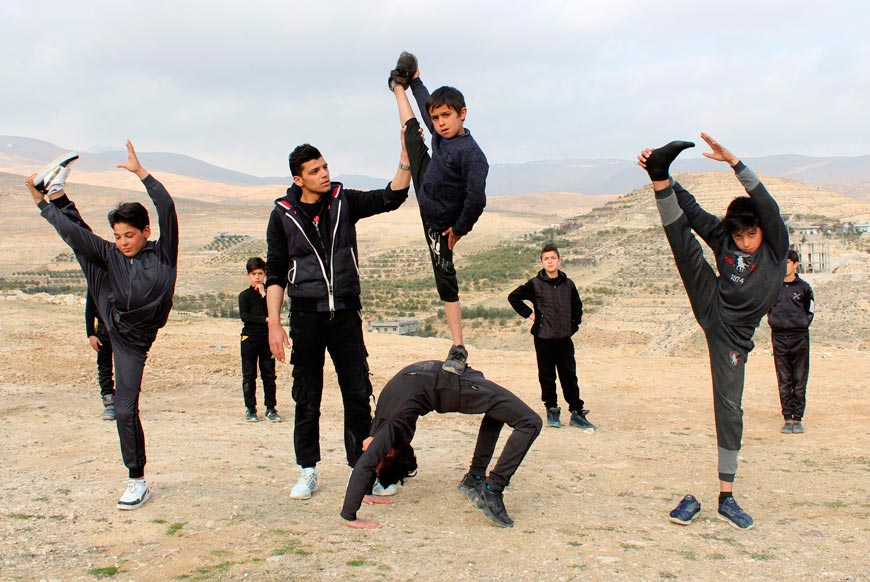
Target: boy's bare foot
{"type": "Point", "coordinates": [362, 524]}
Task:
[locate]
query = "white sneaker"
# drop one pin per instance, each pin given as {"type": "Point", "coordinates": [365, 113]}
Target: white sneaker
{"type": "Point", "coordinates": [381, 491]}
{"type": "Point", "coordinates": [306, 485]}
{"type": "Point", "coordinates": [135, 496]}
{"type": "Point", "coordinates": [55, 173]}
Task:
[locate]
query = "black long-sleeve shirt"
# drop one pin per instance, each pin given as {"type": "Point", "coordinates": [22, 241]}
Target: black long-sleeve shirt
{"type": "Point", "coordinates": [253, 312]}
{"type": "Point", "coordinates": [453, 194]}
{"type": "Point", "coordinates": [794, 308]}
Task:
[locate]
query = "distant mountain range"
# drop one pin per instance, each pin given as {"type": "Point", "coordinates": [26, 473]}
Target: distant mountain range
{"type": "Point", "coordinates": [850, 175]}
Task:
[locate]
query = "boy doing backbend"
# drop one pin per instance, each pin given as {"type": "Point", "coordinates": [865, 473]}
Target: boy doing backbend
{"type": "Point", "coordinates": [750, 246]}
{"type": "Point", "coordinates": [132, 282]}
{"type": "Point", "coordinates": [450, 185]}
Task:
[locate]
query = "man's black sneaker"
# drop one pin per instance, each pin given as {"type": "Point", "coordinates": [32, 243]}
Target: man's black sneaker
{"type": "Point", "coordinates": [578, 419]}
{"type": "Point", "coordinates": [55, 172]}
{"type": "Point", "coordinates": [553, 417]}
{"type": "Point", "coordinates": [471, 486]}
{"type": "Point", "coordinates": [492, 504]}
{"type": "Point", "coordinates": [273, 415]}
{"type": "Point", "coordinates": [686, 510]}
{"type": "Point", "coordinates": [729, 511]}
{"type": "Point", "coordinates": [787, 428]}
{"type": "Point", "coordinates": [455, 362]}
{"type": "Point", "coordinates": [797, 427]}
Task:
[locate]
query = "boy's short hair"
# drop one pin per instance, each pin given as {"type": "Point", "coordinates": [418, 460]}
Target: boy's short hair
{"type": "Point", "coordinates": [793, 256]}
{"type": "Point", "coordinates": [398, 467]}
{"type": "Point", "coordinates": [549, 248]}
{"type": "Point", "coordinates": [255, 263]}
{"type": "Point", "coordinates": [741, 215]}
{"type": "Point", "coordinates": [131, 213]}
{"type": "Point", "coordinates": [449, 96]}
{"type": "Point", "coordinates": [304, 153]}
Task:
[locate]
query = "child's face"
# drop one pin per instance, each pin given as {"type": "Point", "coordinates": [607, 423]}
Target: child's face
{"type": "Point", "coordinates": [129, 239]}
{"type": "Point", "coordinates": [791, 267]}
{"type": "Point", "coordinates": [256, 277]}
{"type": "Point", "coordinates": [551, 263]}
{"type": "Point", "coordinates": [447, 122]}
{"type": "Point", "coordinates": [748, 240]}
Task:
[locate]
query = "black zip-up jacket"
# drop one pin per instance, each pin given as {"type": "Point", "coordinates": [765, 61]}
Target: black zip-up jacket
{"type": "Point", "coordinates": [253, 313]}
{"type": "Point", "coordinates": [557, 305]}
{"type": "Point", "coordinates": [794, 307]}
{"type": "Point", "coordinates": [315, 257]}
{"type": "Point", "coordinates": [453, 193]}
{"type": "Point", "coordinates": [142, 286]}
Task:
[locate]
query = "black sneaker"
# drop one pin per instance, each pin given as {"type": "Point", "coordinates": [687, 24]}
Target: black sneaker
{"type": "Point", "coordinates": [797, 427]}
{"type": "Point", "coordinates": [578, 419]}
{"type": "Point", "coordinates": [553, 417]}
{"type": "Point", "coordinates": [471, 486]}
{"type": "Point", "coordinates": [787, 428]}
{"type": "Point", "coordinates": [729, 511]}
{"type": "Point", "coordinates": [272, 415]}
{"type": "Point", "coordinates": [492, 504]}
{"type": "Point", "coordinates": [406, 68]}
{"type": "Point", "coordinates": [686, 510]}
{"type": "Point", "coordinates": [251, 415]}
{"type": "Point", "coordinates": [455, 362]}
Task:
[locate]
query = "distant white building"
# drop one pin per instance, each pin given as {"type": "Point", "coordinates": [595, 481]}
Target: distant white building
{"type": "Point", "coordinates": [395, 325]}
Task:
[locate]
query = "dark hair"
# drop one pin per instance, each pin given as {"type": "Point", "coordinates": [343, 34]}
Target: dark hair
{"type": "Point", "coordinates": [131, 213]}
{"type": "Point", "coordinates": [549, 248]}
{"type": "Point", "coordinates": [741, 215]}
{"type": "Point", "coordinates": [255, 263]}
{"type": "Point", "coordinates": [401, 465]}
{"type": "Point", "coordinates": [449, 96]}
{"type": "Point", "coordinates": [304, 153]}
{"type": "Point", "coordinates": [793, 256]}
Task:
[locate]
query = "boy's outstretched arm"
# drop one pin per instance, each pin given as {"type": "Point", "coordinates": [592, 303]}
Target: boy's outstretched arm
{"type": "Point", "coordinates": [775, 232]}
{"type": "Point", "coordinates": [167, 219]}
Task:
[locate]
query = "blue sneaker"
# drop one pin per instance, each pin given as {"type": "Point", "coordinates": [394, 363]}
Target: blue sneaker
{"type": "Point", "coordinates": [729, 511]}
{"type": "Point", "coordinates": [686, 510]}
{"type": "Point", "coordinates": [553, 417]}
{"type": "Point", "coordinates": [578, 419]}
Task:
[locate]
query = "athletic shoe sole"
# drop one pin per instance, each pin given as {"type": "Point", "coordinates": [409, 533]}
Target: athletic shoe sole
{"type": "Point", "coordinates": [136, 505]}
{"type": "Point", "coordinates": [48, 173]}
{"type": "Point", "coordinates": [490, 515]}
{"type": "Point", "coordinates": [679, 521]}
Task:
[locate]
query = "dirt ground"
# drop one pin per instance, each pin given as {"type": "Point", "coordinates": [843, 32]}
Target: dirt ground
{"type": "Point", "coordinates": [586, 506]}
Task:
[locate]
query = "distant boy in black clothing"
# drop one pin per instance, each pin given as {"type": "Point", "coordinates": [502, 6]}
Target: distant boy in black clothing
{"type": "Point", "coordinates": [450, 185]}
{"type": "Point", "coordinates": [750, 246]}
{"type": "Point", "coordinates": [255, 343]}
{"type": "Point", "coordinates": [418, 390]}
{"type": "Point", "coordinates": [132, 281]}
{"type": "Point", "coordinates": [98, 336]}
{"type": "Point", "coordinates": [790, 319]}
{"type": "Point", "coordinates": [556, 315]}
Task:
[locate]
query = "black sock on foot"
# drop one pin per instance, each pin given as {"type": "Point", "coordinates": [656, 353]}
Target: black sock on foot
{"type": "Point", "coordinates": [724, 495]}
{"type": "Point", "coordinates": [658, 165]}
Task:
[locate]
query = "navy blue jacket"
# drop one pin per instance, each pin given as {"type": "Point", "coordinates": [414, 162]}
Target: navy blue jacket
{"type": "Point", "coordinates": [794, 307]}
{"type": "Point", "coordinates": [453, 193]}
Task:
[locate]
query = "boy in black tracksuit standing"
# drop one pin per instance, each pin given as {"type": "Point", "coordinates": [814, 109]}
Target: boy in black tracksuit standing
{"type": "Point", "coordinates": [312, 252]}
{"type": "Point", "coordinates": [98, 337]}
{"type": "Point", "coordinates": [132, 281]}
{"type": "Point", "coordinates": [556, 316]}
{"type": "Point", "coordinates": [750, 245]}
{"type": "Point", "coordinates": [789, 320]}
{"type": "Point", "coordinates": [254, 344]}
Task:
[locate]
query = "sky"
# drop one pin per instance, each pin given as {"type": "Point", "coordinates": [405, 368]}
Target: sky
{"type": "Point", "coordinates": [239, 84]}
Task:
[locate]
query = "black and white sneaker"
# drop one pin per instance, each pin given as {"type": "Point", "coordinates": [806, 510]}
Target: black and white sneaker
{"type": "Point", "coordinates": [492, 504]}
{"type": "Point", "coordinates": [456, 360]}
{"type": "Point", "coordinates": [135, 496]}
{"type": "Point", "coordinates": [55, 173]}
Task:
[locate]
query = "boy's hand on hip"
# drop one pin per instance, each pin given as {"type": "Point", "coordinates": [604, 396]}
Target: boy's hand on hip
{"type": "Point", "coordinates": [452, 238]}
